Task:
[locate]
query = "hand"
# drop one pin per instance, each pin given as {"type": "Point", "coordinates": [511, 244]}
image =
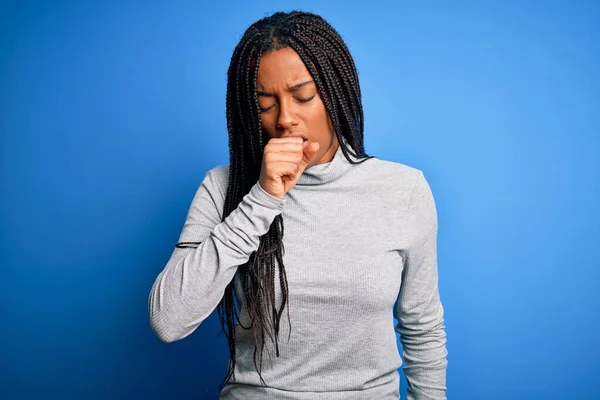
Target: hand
{"type": "Point", "coordinates": [284, 161]}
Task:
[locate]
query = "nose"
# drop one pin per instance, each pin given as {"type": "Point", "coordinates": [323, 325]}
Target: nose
{"type": "Point", "coordinates": [287, 118]}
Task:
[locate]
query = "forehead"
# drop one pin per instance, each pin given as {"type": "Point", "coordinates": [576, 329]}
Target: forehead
{"type": "Point", "coordinates": [282, 66]}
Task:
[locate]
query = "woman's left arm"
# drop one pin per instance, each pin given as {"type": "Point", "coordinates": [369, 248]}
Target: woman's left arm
{"type": "Point", "coordinates": [418, 309]}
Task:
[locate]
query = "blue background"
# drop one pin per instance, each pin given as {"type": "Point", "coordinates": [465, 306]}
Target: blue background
{"type": "Point", "coordinates": [111, 113]}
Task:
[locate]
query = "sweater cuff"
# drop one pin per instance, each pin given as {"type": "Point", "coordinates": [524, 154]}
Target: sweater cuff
{"type": "Point", "coordinates": [261, 196]}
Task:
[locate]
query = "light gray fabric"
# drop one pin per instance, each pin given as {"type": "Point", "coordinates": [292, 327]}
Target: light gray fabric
{"type": "Point", "coordinates": [360, 248]}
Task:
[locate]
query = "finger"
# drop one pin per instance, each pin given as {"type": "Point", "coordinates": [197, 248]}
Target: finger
{"type": "Point", "coordinates": [287, 170]}
{"type": "Point", "coordinates": [281, 168]}
{"type": "Point", "coordinates": [289, 139]}
{"type": "Point", "coordinates": [309, 154]}
{"type": "Point", "coordinates": [275, 156]}
{"type": "Point", "coordinates": [284, 147]}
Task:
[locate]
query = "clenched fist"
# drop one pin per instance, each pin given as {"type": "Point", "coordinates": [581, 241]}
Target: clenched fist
{"type": "Point", "coordinates": [284, 161]}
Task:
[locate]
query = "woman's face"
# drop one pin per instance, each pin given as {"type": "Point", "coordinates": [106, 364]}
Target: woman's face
{"type": "Point", "coordinates": [290, 103]}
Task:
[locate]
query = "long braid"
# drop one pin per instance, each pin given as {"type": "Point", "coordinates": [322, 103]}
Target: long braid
{"type": "Point", "coordinates": [329, 62]}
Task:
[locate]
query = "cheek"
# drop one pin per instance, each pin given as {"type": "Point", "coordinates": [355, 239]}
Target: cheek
{"type": "Point", "coordinates": [267, 124]}
{"type": "Point", "coordinates": [321, 121]}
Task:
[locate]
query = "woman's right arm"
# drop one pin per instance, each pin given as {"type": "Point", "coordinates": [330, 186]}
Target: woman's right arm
{"type": "Point", "coordinates": [192, 283]}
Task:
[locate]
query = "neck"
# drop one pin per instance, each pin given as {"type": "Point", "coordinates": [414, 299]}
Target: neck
{"type": "Point", "coordinates": [329, 171]}
{"type": "Point", "coordinates": [330, 153]}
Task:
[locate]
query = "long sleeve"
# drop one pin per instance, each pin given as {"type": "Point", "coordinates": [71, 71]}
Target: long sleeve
{"type": "Point", "coordinates": [192, 283]}
{"type": "Point", "coordinates": [418, 309]}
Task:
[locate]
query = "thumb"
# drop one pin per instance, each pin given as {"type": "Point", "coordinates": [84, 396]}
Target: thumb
{"type": "Point", "coordinates": [310, 151]}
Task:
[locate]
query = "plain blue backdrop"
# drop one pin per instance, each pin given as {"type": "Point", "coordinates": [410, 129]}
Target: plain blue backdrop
{"type": "Point", "coordinates": [111, 113]}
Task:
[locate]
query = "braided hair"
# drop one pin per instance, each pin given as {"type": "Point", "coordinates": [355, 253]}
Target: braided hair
{"type": "Point", "coordinates": [330, 64]}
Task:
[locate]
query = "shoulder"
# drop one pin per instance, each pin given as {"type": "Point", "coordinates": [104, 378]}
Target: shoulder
{"type": "Point", "coordinates": [213, 186]}
{"type": "Point", "coordinates": [218, 176]}
{"type": "Point", "coordinates": [414, 195]}
{"type": "Point", "coordinates": [209, 198]}
{"type": "Point", "coordinates": [400, 170]}
{"type": "Point", "coordinates": [395, 176]}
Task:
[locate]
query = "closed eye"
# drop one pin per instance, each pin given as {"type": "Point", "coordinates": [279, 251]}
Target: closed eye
{"type": "Point", "coordinates": [307, 99]}
{"type": "Point", "coordinates": [299, 100]}
{"type": "Point", "coordinates": [265, 109]}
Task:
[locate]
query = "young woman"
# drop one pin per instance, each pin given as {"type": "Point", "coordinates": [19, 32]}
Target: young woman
{"type": "Point", "coordinates": [360, 236]}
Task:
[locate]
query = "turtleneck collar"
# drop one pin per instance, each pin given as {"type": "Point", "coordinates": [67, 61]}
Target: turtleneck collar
{"type": "Point", "coordinates": [326, 172]}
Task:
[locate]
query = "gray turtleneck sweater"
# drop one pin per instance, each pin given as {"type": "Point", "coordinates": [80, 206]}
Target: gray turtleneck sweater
{"type": "Point", "coordinates": [360, 248]}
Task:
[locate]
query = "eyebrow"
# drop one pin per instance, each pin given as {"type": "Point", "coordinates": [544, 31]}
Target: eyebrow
{"type": "Point", "coordinates": [292, 89]}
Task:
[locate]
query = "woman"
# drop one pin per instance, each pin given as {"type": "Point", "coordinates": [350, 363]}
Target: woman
{"type": "Point", "coordinates": [359, 244]}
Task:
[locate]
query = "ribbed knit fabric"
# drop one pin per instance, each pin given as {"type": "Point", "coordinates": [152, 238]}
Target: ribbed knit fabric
{"type": "Point", "coordinates": [360, 248]}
